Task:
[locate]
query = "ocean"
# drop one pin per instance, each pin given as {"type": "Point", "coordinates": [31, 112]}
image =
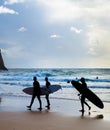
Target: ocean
{"type": "Point", "coordinates": [13, 81]}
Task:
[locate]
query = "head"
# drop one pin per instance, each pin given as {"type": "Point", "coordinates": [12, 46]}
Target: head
{"type": "Point", "coordinates": [82, 80]}
{"type": "Point", "coordinates": [46, 78]}
{"type": "Point", "coordinates": [34, 78]}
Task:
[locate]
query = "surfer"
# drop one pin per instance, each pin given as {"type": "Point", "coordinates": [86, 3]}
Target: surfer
{"type": "Point", "coordinates": [84, 85]}
{"type": "Point", "coordinates": [36, 93]}
{"type": "Point", "coordinates": [47, 95]}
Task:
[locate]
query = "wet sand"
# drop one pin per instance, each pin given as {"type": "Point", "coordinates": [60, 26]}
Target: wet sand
{"type": "Point", "coordinates": [63, 115]}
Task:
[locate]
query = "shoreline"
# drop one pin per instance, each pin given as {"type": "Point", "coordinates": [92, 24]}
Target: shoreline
{"type": "Point", "coordinates": [63, 106]}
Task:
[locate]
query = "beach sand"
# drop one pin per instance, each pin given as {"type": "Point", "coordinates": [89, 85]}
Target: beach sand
{"type": "Point", "coordinates": [63, 115]}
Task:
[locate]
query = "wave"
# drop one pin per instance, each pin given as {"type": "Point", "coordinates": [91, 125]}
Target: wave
{"type": "Point", "coordinates": [26, 84]}
{"type": "Point", "coordinates": [16, 84]}
{"type": "Point", "coordinates": [98, 80]}
{"type": "Point", "coordinates": [59, 75]}
{"type": "Point", "coordinates": [101, 87]}
{"type": "Point", "coordinates": [13, 81]}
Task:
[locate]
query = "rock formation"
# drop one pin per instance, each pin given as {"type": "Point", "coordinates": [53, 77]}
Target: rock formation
{"type": "Point", "coordinates": [2, 66]}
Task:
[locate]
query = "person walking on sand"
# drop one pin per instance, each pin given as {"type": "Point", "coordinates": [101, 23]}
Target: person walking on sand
{"type": "Point", "coordinates": [36, 93]}
{"type": "Point", "coordinates": [84, 85]}
{"type": "Point", "coordinates": [47, 95]}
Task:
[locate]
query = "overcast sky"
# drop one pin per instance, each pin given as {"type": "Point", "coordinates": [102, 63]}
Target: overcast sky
{"type": "Point", "coordinates": [55, 33]}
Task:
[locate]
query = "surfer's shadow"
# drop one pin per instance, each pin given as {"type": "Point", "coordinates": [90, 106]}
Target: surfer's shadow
{"type": "Point", "coordinates": [89, 115]}
{"type": "Point", "coordinates": [34, 112]}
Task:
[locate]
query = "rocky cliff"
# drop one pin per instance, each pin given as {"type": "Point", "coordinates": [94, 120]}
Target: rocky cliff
{"type": "Point", "coordinates": [2, 66]}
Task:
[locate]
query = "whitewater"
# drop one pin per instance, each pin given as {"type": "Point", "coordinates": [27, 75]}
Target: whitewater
{"type": "Point", "coordinates": [13, 81]}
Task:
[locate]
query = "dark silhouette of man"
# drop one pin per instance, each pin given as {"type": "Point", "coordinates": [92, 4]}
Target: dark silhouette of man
{"type": "Point", "coordinates": [47, 95]}
{"type": "Point", "coordinates": [36, 93]}
{"type": "Point", "coordinates": [84, 85]}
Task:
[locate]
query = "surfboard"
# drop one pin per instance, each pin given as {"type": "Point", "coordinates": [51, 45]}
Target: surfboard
{"type": "Point", "coordinates": [91, 96]}
{"type": "Point", "coordinates": [44, 90]}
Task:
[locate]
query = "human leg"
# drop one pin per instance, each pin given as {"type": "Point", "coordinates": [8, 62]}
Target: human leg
{"type": "Point", "coordinates": [32, 100]}
{"type": "Point", "coordinates": [40, 103]}
{"type": "Point", "coordinates": [48, 102]}
{"type": "Point", "coordinates": [87, 104]}
{"type": "Point", "coordinates": [82, 102]}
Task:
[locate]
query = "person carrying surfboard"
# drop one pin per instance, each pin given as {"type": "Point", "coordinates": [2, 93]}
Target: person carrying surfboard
{"type": "Point", "coordinates": [84, 85]}
{"type": "Point", "coordinates": [36, 93]}
{"type": "Point", "coordinates": [47, 95]}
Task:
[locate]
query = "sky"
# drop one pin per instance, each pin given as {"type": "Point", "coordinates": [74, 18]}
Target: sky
{"type": "Point", "coordinates": [55, 33]}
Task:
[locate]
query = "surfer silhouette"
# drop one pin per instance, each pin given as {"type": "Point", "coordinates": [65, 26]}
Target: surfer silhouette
{"type": "Point", "coordinates": [47, 95]}
{"type": "Point", "coordinates": [84, 85]}
{"type": "Point", "coordinates": [36, 93]}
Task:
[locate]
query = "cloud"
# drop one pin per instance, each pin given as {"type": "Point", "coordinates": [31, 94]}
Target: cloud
{"type": "Point", "coordinates": [90, 17]}
{"type": "Point", "coordinates": [60, 10]}
{"type": "Point", "coordinates": [22, 29]}
{"type": "Point", "coordinates": [12, 49]}
{"type": "Point", "coordinates": [98, 41]}
{"type": "Point", "coordinates": [10, 2]}
{"type": "Point", "coordinates": [5, 10]}
{"type": "Point", "coordinates": [76, 30]}
{"type": "Point", "coordinates": [13, 52]}
{"type": "Point", "coordinates": [55, 36]}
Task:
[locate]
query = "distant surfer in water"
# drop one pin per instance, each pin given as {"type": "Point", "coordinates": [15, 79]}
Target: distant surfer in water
{"type": "Point", "coordinates": [84, 85]}
{"type": "Point", "coordinates": [36, 93]}
{"type": "Point", "coordinates": [47, 95]}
